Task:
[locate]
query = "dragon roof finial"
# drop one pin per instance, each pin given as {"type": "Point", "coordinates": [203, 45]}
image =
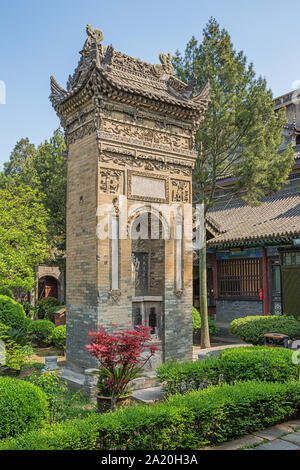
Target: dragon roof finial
{"type": "Point", "coordinates": [95, 35]}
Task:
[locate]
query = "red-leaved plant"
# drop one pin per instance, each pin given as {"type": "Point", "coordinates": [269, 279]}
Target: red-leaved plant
{"type": "Point", "coordinates": [122, 356]}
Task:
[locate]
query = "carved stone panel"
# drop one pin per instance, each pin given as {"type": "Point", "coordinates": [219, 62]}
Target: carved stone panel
{"type": "Point", "coordinates": [111, 181]}
{"type": "Point", "coordinates": [180, 191]}
{"type": "Point", "coordinates": [147, 187]}
{"type": "Point", "coordinates": [146, 134]}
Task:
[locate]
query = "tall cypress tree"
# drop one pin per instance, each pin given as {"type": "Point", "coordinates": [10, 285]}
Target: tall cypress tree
{"type": "Point", "coordinates": [240, 135]}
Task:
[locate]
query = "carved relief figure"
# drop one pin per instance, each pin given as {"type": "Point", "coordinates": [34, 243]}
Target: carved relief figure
{"type": "Point", "coordinates": [111, 181]}
{"type": "Point", "coordinates": [180, 191]}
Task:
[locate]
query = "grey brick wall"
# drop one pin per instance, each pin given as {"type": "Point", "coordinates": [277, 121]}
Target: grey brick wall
{"type": "Point", "coordinates": [228, 310]}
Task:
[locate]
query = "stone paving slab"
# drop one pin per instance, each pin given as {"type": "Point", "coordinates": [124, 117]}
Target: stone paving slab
{"type": "Point", "coordinates": [278, 444]}
{"type": "Point", "coordinates": [274, 432]}
{"type": "Point", "coordinates": [238, 443]}
{"type": "Point", "coordinates": [293, 437]}
{"type": "Point", "coordinates": [295, 424]}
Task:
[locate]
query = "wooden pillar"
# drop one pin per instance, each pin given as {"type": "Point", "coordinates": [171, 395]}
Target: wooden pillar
{"type": "Point", "coordinates": [265, 283]}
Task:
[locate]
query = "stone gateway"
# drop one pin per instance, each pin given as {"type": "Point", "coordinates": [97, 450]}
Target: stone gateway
{"type": "Point", "coordinates": [130, 129]}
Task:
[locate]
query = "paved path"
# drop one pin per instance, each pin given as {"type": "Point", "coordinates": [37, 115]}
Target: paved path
{"type": "Point", "coordinates": [280, 437]}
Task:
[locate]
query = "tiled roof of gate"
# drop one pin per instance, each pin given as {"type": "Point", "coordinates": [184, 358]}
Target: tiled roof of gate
{"type": "Point", "coordinates": [277, 217]}
{"type": "Point", "coordinates": [125, 73]}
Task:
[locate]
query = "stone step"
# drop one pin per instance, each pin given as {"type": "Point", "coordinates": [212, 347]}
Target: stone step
{"type": "Point", "coordinates": [77, 381]}
{"type": "Point", "coordinates": [148, 396]}
{"type": "Point", "coordinates": [148, 380]}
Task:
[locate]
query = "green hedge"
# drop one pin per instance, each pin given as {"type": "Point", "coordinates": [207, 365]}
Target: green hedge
{"type": "Point", "coordinates": [59, 337]}
{"type": "Point", "coordinates": [258, 363]}
{"type": "Point", "coordinates": [180, 377]}
{"type": "Point", "coordinates": [42, 331]}
{"type": "Point", "coordinates": [252, 329]}
{"type": "Point", "coordinates": [185, 422]}
{"type": "Point", "coordinates": [23, 406]}
{"type": "Point", "coordinates": [12, 313]}
{"type": "Point", "coordinates": [244, 363]}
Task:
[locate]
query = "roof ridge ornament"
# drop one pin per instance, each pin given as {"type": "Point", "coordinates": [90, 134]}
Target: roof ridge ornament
{"type": "Point", "coordinates": [93, 35]}
{"type": "Point", "coordinates": [165, 64]}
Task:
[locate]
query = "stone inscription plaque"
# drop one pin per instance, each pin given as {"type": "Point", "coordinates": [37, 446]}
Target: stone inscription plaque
{"type": "Point", "coordinates": [147, 188]}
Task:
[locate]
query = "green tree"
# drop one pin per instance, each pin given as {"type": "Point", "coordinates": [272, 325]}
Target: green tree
{"type": "Point", "coordinates": [47, 172]}
{"type": "Point", "coordinates": [240, 135]}
{"type": "Point", "coordinates": [43, 169]}
{"type": "Point", "coordinates": [23, 236]}
{"type": "Point", "coordinates": [20, 155]}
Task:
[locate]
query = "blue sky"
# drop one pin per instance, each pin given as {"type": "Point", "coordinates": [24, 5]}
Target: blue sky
{"type": "Point", "coordinates": [40, 38]}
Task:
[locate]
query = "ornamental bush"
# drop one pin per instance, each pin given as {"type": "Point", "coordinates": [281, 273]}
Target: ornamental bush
{"type": "Point", "coordinates": [252, 329]}
{"type": "Point", "coordinates": [181, 377]}
{"type": "Point", "coordinates": [213, 329]}
{"type": "Point", "coordinates": [23, 407]}
{"type": "Point", "coordinates": [59, 337]}
{"type": "Point", "coordinates": [234, 364]}
{"type": "Point", "coordinates": [46, 307]}
{"type": "Point", "coordinates": [189, 421]}
{"type": "Point", "coordinates": [12, 313]}
{"type": "Point", "coordinates": [258, 363]}
{"type": "Point", "coordinates": [42, 331]}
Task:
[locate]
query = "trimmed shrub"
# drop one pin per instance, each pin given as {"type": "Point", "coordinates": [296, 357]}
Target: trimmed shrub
{"type": "Point", "coordinates": [6, 291]}
{"type": "Point", "coordinates": [42, 331]}
{"type": "Point", "coordinates": [245, 363]}
{"type": "Point", "coordinates": [23, 406]}
{"type": "Point", "coordinates": [252, 329]}
{"type": "Point", "coordinates": [12, 313]}
{"type": "Point", "coordinates": [258, 363]}
{"type": "Point", "coordinates": [190, 421]}
{"type": "Point", "coordinates": [213, 329]}
{"type": "Point", "coordinates": [181, 377]}
{"type": "Point", "coordinates": [59, 337]}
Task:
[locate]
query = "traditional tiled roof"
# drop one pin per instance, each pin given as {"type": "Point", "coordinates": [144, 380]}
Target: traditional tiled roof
{"type": "Point", "coordinates": [278, 217]}
{"type": "Point", "coordinates": [125, 74]}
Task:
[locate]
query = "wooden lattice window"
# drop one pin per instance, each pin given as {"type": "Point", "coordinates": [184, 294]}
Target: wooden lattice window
{"type": "Point", "coordinates": [239, 278]}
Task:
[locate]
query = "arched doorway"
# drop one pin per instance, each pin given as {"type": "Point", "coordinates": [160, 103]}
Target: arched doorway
{"type": "Point", "coordinates": [48, 287]}
{"type": "Point", "coordinates": [148, 272]}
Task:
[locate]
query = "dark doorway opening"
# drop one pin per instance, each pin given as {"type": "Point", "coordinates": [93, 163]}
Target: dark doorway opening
{"type": "Point", "coordinates": [48, 287]}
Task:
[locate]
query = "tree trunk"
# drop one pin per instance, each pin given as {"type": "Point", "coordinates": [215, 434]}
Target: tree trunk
{"type": "Point", "coordinates": [205, 339]}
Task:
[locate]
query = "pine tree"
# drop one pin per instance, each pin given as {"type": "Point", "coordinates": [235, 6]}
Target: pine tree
{"type": "Point", "coordinates": [240, 135]}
